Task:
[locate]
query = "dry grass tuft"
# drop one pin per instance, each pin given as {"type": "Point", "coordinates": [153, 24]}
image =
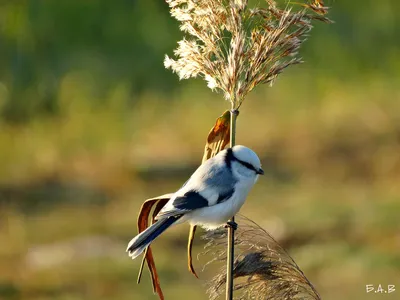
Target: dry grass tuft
{"type": "Point", "coordinates": [234, 48]}
{"type": "Point", "coordinates": [262, 270]}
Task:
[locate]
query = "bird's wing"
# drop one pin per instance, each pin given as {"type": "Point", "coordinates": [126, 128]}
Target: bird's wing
{"type": "Point", "coordinates": [204, 188]}
{"type": "Point", "coordinates": [220, 182]}
{"type": "Point", "coordinates": [180, 205]}
{"type": "Point", "coordinates": [225, 195]}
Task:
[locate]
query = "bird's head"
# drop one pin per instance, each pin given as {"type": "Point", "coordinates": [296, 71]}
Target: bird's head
{"type": "Point", "coordinates": [246, 160]}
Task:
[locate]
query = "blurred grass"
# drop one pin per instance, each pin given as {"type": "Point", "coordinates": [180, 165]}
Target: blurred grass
{"type": "Point", "coordinates": [341, 236]}
{"type": "Point", "coordinates": [92, 125]}
{"type": "Point", "coordinates": [330, 195]}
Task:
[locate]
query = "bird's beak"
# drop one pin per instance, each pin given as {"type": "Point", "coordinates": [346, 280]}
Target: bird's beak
{"type": "Point", "coordinates": [260, 171]}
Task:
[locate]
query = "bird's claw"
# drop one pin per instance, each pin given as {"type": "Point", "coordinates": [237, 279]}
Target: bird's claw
{"type": "Point", "coordinates": [231, 224]}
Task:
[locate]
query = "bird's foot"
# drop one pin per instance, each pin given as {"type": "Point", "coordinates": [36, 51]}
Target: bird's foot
{"type": "Point", "coordinates": [231, 224]}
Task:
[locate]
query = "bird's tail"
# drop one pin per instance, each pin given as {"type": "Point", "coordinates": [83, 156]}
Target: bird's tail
{"type": "Point", "coordinates": [140, 242]}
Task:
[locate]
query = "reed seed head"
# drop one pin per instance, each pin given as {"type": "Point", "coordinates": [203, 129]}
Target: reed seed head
{"type": "Point", "coordinates": [262, 268]}
{"type": "Point", "coordinates": [234, 47]}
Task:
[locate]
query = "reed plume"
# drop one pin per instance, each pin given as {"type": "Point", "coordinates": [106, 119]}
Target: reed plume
{"type": "Point", "coordinates": [235, 48]}
{"type": "Point", "coordinates": [262, 268]}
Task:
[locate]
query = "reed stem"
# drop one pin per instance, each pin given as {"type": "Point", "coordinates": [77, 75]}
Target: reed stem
{"type": "Point", "coordinates": [231, 232]}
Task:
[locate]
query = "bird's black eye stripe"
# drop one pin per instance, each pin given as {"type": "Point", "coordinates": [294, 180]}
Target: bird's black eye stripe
{"type": "Point", "coordinates": [230, 157]}
{"type": "Point", "coordinates": [247, 165]}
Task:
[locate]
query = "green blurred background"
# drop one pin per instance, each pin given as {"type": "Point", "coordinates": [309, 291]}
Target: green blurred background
{"type": "Point", "coordinates": [92, 124]}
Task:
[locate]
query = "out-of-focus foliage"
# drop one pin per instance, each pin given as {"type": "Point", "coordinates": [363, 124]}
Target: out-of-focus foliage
{"type": "Point", "coordinates": [124, 41]}
{"type": "Point", "coordinates": [90, 123]}
{"type": "Point", "coordinates": [42, 41]}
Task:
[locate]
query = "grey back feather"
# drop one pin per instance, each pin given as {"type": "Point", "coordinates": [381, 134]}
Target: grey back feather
{"type": "Point", "coordinates": [216, 175]}
{"type": "Point", "coordinates": [213, 177]}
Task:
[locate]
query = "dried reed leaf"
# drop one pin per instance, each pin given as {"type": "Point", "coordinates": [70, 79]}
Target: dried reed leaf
{"type": "Point", "coordinates": [217, 140]}
{"type": "Point", "coordinates": [192, 232]}
{"type": "Point", "coordinates": [154, 204]}
{"type": "Point", "coordinates": [262, 269]}
{"type": "Point", "coordinates": [218, 137]}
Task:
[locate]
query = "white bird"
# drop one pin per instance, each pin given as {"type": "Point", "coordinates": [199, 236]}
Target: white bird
{"type": "Point", "coordinates": [213, 194]}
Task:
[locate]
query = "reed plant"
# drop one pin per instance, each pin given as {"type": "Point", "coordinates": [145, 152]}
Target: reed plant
{"type": "Point", "coordinates": [235, 48]}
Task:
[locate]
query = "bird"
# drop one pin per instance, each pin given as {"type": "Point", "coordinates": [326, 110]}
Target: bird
{"type": "Point", "coordinates": [213, 194]}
